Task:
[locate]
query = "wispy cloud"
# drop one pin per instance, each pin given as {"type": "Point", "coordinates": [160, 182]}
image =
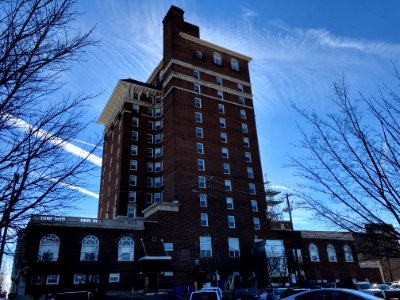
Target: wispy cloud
{"type": "Point", "coordinates": [248, 14]}
{"type": "Point", "coordinates": [80, 189]}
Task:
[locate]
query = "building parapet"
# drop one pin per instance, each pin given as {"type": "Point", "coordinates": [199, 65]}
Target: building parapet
{"type": "Point", "coordinates": [346, 236]}
{"type": "Point", "coordinates": [132, 224]}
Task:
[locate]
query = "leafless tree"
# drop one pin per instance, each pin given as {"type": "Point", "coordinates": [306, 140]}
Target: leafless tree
{"type": "Point", "coordinates": [38, 43]}
{"type": "Point", "coordinates": [350, 174]}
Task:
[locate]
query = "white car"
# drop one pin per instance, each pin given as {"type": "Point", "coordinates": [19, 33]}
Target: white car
{"type": "Point", "coordinates": [205, 295]}
{"type": "Point", "coordinates": [216, 289]}
{"type": "Point", "coordinates": [332, 294]}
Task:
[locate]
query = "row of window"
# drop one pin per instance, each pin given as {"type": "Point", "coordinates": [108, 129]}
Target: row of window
{"type": "Point", "coordinates": [217, 60]}
{"type": "Point", "coordinates": [231, 221]}
{"type": "Point", "coordinates": [332, 257]}
{"type": "Point", "coordinates": [218, 81]}
{"type": "Point", "coordinates": [198, 117]}
{"type": "Point", "coordinates": [202, 183]}
{"type": "Point", "coordinates": [151, 181]}
{"type": "Point", "coordinates": [151, 138]}
{"type": "Point", "coordinates": [229, 203]}
{"type": "Point", "coordinates": [136, 96]}
{"type": "Point", "coordinates": [219, 95]}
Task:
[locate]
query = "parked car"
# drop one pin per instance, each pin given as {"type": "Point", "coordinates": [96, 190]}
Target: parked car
{"type": "Point", "coordinates": [390, 292]}
{"type": "Point", "coordinates": [366, 287]}
{"type": "Point", "coordinates": [216, 289]}
{"type": "Point", "coordinates": [331, 294]}
{"type": "Point", "coordinates": [205, 295]}
{"type": "Point", "coordinates": [247, 293]}
{"type": "Point", "coordinates": [271, 293]}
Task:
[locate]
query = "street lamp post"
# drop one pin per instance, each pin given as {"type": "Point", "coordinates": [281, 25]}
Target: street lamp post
{"type": "Point", "coordinates": [293, 238]}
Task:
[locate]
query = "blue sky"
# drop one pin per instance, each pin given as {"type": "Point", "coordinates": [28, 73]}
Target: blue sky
{"type": "Point", "coordinates": [299, 48]}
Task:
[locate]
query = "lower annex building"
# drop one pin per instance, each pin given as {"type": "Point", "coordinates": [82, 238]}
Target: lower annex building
{"type": "Point", "coordinates": [182, 198]}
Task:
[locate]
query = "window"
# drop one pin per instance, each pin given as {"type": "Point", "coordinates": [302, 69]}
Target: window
{"type": "Point", "coordinates": [48, 248]}
{"type": "Point", "coordinates": [133, 164]}
{"type": "Point", "coordinates": [134, 150]}
{"type": "Point", "coordinates": [198, 117]}
{"type": "Point", "coordinates": [221, 108]}
{"type": "Point", "coordinates": [198, 54]}
{"type": "Point", "coordinates": [203, 200]}
{"type": "Point", "coordinates": [157, 181]}
{"type": "Point", "coordinates": [331, 253]}
{"type": "Point", "coordinates": [134, 136]}
{"type": "Point", "coordinates": [149, 198]}
{"type": "Point", "coordinates": [52, 279]}
{"type": "Point", "coordinates": [150, 125]}
{"type": "Point", "coordinates": [132, 196]}
{"type": "Point", "coordinates": [149, 182]}
{"type": "Point", "coordinates": [158, 197]}
{"type": "Point", "coordinates": [233, 246]}
{"type": "Point", "coordinates": [348, 255]}
{"type": "Point", "coordinates": [246, 142]}
{"type": "Point", "coordinates": [231, 222]}
{"type": "Point", "coordinates": [243, 114]}
{"type": "Point", "coordinates": [197, 102]}
{"type": "Point", "coordinates": [135, 122]}
{"type": "Point", "coordinates": [113, 278]}
{"type": "Point", "coordinates": [256, 223]}
{"type": "Point", "coordinates": [79, 278]}
{"type": "Point", "coordinates": [228, 185]}
{"type": "Point", "coordinates": [227, 169]}
{"type": "Point", "coordinates": [240, 87]}
{"type": "Point", "coordinates": [205, 246]}
{"type": "Point", "coordinates": [254, 206]}
{"type": "Point", "coordinates": [220, 94]}
{"type": "Point", "coordinates": [197, 88]}
{"type": "Point", "coordinates": [132, 180]}
{"type": "Point", "coordinates": [135, 108]}
{"type": "Point", "coordinates": [202, 182]}
{"type": "Point", "coordinates": [150, 167]}
{"type": "Point", "coordinates": [200, 165]}
{"type": "Point", "coordinates": [241, 101]}
{"type": "Point", "coordinates": [125, 249]}
{"type": "Point", "coordinates": [313, 252]}
{"type": "Point", "coordinates": [245, 128]}
{"type": "Point", "coordinates": [200, 148]}
{"type": "Point", "coordinates": [157, 112]}
{"type": "Point", "coordinates": [90, 248]}
{"type": "Point", "coordinates": [217, 59]}
{"type": "Point", "coordinates": [158, 152]}
{"type": "Point", "coordinates": [199, 132]}
{"type": "Point", "coordinates": [247, 157]}
{"type": "Point", "coordinates": [218, 80]}
{"type": "Point", "coordinates": [225, 153]}
{"type": "Point", "coordinates": [168, 246]}
{"type": "Point", "coordinates": [222, 123]}
{"type": "Point", "coordinates": [204, 219]}
{"type": "Point", "coordinates": [234, 65]}
{"type": "Point", "coordinates": [196, 74]}
{"type": "Point", "coordinates": [229, 202]}
{"type": "Point", "coordinates": [250, 172]}
{"type": "Point", "coordinates": [158, 138]}
{"type": "Point", "coordinates": [158, 125]}
{"type": "Point", "coordinates": [158, 166]}
{"type": "Point", "coordinates": [223, 137]}
{"type": "Point", "coordinates": [252, 188]}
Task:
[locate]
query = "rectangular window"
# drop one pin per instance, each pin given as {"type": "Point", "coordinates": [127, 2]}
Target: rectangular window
{"type": "Point", "coordinates": [223, 137]}
{"type": "Point", "coordinates": [149, 182]}
{"type": "Point", "coordinates": [229, 203]}
{"type": "Point", "coordinates": [149, 152]}
{"type": "Point", "coordinates": [205, 246]}
{"type": "Point", "coordinates": [240, 87]}
{"type": "Point", "coordinates": [218, 80]}
{"type": "Point", "coordinates": [134, 150]}
{"type": "Point", "coordinates": [197, 102]}
{"type": "Point", "coordinates": [134, 136]}
{"type": "Point", "coordinates": [254, 206]}
{"type": "Point", "coordinates": [196, 74]}
{"type": "Point", "coordinates": [198, 117]}
{"type": "Point", "coordinates": [158, 152]}
{"type": "Point", "coordinates": [158, 138]}
{"type": "Point", "coordinates": [113, 278]}
{"type": "Point", "coordinates": [228, 185]}
{"type": "Point", "coordinates": [200, 165]}
{"type": "Point", "coordinates": [199, 55]}
{"type": "Point", "coordinates": [135, 108]}
{"type": "Point", "coordinates": [133, 165]}
{"type": "Point", "coordinates": [149, 198]}
{"type": "Point", "coordinates": [231, 222]}
{"type": "Point", "coordinates": [158, 182]}
{"type": "Point", "coordinates": [225, 153]}
{"type": "Point", "coordinates": [204, 219]}
{"type": "Point", "coordinates": [157, 112]}
{"type": "Point", "coordinates": [221, 108]}
{"type": "Point", "coordinates": [132, 197]}
{"type": "Point", "coordinates": [243, 114]}
{"type": "Point", "coordinates": [250, 173]}
{"type": "Point", "coordinates": [227, 169]}
{"type": "Point", "coordinates": [150, 138]}
{"type": "Point", "coordinates": [158, 197]}
{"type": "Point", "coordinates": [256, 223]}
{"type": "Point", "coordinates": [222, 123]}
{"type": "Point", "coordinates": [246, 142]}
{"type": "Point", "coordinates": [241, 101]}
{"type": "Point", "coordinates": [220, 94]}
{"type": "Point", "coordinates": [197, 88]}
{"type": "Point", "coordinates": [158, 167]}
{"type": "Point", "coordinates": [79, 278]}
{"type": "Point", "coordinates": [150, 111]}
{"type": "Point", "coordinates": [247, 157]}
{"type": "Point", "coordinates": [252, 188]}
{"type": "Point", "coordinates": [132, 180]}
{"type": "Point", "coordinates": [169, 247]}
{"type": "Point", "coordinates": [200, 148]}
{"type": "Point", "coordinates": [131, 211]}
{"type": "Point", "coordinates": [135, 122]}
{"type": "Point", "coordinates": [158, 125]}
{"type": "Point", "coordinates": [199, 132]}
{"type": "Point", "coordinates": [203, 200]}
{"type": "Point", "coordinates": [202, 182]}
{"type": "Point", "coordinates": [149, 167]}
{"type": "Point", "coordinates": [233, 246]}
{"type": "Point", "coordinates": [158, 99]}
{"type": "Point", "coordinates": [244, 128]}
{"type": "Point", "coordinates": [150, 125]}
{"type": "Point", "coordinates": [52, 279]}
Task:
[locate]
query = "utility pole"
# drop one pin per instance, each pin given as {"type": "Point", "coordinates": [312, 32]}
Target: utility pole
{"type": "Point", "coordinates": [293, 238]}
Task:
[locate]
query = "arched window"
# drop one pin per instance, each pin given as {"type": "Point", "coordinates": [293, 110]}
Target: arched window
{"type": "Point", "coordinates": [199, 54]}
{"type": "Point", "coordinates": [125, 249]}
{"type": "Point", "coordinates": [90, 248]}
{"type": "Point", "coordinates": [234, 64]}
{"type": "Point", "coordinates": [331, 253]}
{"type": "Point", "coordinates": [348, 255]}
{"type": "Point", "coordinates": [313, 252]}
{"type": "Point", "coordinates": [217, 59]}
{"type": "Point", "coordinates": [48, 248]}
